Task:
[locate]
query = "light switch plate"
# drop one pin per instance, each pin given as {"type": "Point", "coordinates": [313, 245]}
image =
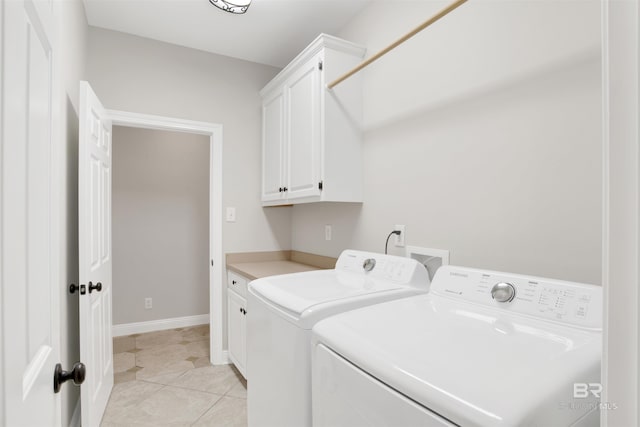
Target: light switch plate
{"type": "Point", "coordinates": [231, 214]}
{"type": "Point", "coordinates": [327, 232]}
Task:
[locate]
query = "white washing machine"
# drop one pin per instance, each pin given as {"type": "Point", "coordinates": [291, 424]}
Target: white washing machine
{"type": "Point", "coordinates": [281, 310]}
{"type": "Point", "coordinates": [481, 349]}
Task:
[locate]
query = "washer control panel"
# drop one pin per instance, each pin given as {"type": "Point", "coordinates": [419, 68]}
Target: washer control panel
{"type": "Point", "coordinates": [503, 292]}
{"type": "Point", "coordinates": [369, 264]}
{"type": "Point", "coordinates": [383, 267]}
{"type": "Point", "coordinates": [567, 302]}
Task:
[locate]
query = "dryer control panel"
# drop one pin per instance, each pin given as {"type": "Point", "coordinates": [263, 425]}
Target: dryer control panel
{"type": "Point", "coordinates": [577, 304]}
{"type": "Point", "coordinates": [384, 267]}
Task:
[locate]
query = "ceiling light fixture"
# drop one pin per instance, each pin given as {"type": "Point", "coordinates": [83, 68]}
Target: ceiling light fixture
{"type": "Point", "coordinates": [238, 6]}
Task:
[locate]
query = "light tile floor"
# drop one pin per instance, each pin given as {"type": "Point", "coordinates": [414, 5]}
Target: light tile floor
{"type": "Point", "coordinates": [164, 378]}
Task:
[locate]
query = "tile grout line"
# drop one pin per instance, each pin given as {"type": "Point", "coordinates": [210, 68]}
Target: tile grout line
{"type": "Point", "coordinates": [184, 387]}
{"type": "Point", "coordinates": [207, 410]}
{"type": "Point", "coordinates": [195, 389]}
{"type": "Point", "coordinates": [234, 397]}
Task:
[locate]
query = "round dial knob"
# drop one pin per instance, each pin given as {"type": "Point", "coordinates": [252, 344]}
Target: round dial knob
{"type": "Point", "coordinates": [503, 292]}
{"type": "Point", "coordinates": [368, 264]}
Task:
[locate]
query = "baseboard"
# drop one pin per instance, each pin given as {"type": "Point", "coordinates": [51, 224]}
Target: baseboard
{"type": "Point", "coordinates": [158, 325]}
{"type": "Point", "coordinates": [75, 418]}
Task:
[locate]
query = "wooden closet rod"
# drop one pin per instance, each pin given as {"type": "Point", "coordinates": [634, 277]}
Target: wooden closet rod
{"type": "Point", "coordinates": [398, 42]}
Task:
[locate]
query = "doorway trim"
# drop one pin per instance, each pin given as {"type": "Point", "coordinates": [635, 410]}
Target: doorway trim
{"type": "Point", "coordinates": [620, 374]}
{"type": "Point", "coordinates": [216, 279]}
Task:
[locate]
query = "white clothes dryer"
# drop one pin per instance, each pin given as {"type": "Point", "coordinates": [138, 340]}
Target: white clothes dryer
{"type": "Point", "coordinates": [281, 310]}
{"type": "Point", "coordinates": [481, 349]}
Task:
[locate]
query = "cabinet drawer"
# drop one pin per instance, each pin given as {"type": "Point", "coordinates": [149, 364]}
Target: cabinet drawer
{"type": "Point", "coordinates": [237, 283]}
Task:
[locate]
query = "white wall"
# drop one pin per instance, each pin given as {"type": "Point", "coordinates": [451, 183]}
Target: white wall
{"type": "Point", "coordinates": [140, 75]}
{"type": "Point", "coordinates": [621, 368]}
{"type": "Point", "coordinates": [482, 136]}
{"type": "Point", "coordinates": [72, 53]}
{"type": "Point", "coordinates": [160, 224]}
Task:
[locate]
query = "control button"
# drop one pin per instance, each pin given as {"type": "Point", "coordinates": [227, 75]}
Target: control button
{"type": "Point", "coordinates": [503, 292]}
{"type": "Point", "coordinates": [584, 298]}
{"type": "Point", "coordinates": [581, 310]}
{"type": "Point", "coordinates": [369, 264]}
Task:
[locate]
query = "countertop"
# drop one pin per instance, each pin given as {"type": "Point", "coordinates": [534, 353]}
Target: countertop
{"type": "Point", "coordinates": [263, 264]}
{"type": "Point", "coordinates": [257, 270]}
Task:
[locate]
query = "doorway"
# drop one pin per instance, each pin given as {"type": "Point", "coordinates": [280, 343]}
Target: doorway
{"type": "Point", "coordinates": [160, 234]}
{"type": "Point", "coordinates": [133, 122]}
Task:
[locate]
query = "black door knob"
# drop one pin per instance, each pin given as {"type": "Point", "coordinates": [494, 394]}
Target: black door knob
{"type": "Point", "coordinates": [77, 374]}
{"type": "Point", "coordinates": [97, 287]}
{"type": "Point", "coordinates": [73, 288]}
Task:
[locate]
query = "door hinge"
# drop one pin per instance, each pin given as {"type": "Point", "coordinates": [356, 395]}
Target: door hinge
{"type": "Point", "coordinates": [320, 65]}
{"type": "Point", "coordinates": [211, 263]}
{"type": "Point", "coordinates": [320, 185]}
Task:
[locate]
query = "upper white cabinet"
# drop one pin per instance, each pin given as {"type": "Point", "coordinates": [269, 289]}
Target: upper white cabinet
{"type": "Point", "coordinates": [311, 136]}
{"type": "Point", "coordinates": [272, 145]}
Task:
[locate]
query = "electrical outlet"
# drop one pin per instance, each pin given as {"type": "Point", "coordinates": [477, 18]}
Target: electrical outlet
{"type": "Point", "coordinates": [327, 232]}
{"type": "Point", "coordinates": [148, 303]}
{"type": "Point", "coordinates": [399, 238]}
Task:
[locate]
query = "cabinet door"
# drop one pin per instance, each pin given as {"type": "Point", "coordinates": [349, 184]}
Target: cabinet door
{"type": "Point", "coordinates": [237, 330]}
{"type": "Point", "coordinates": [243, 337]}
{"type": "Point", "coordinates": [273, 147]}
{"type": "Point", "coordinates": [303, 93]}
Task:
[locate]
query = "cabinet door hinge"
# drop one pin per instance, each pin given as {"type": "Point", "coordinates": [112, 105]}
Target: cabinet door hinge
{"type": "Point", "coordinates": [320, 65]}
{"type": "Point", "coordinates": [320, 185]}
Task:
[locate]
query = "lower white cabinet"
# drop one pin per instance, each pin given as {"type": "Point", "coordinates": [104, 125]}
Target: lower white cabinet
{"type": "Point", "coordinates": [237, 321]}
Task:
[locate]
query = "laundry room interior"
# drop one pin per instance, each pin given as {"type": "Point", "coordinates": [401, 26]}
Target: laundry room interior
{"type": "Point", "coordinates": [272, 212]}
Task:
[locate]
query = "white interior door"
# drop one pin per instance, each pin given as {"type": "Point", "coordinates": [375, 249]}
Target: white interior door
{"type": "Point", "coordinates": [94, 204]}
{"type": "Point", "coordinates": [29, 297]}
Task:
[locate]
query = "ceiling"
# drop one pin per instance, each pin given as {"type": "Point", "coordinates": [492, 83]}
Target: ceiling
{"type": "Point", "coordinates": [272, 32]}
